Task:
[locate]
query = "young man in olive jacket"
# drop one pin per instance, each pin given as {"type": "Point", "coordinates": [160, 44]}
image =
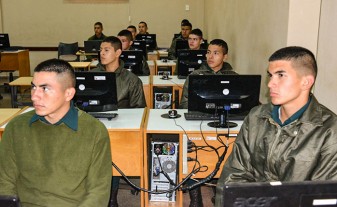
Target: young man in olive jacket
{"type": "Point", "coordinates": [293, 138]}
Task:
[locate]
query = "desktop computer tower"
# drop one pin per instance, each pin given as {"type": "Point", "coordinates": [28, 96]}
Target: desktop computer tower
{"type": "Point", "coordinates": [163, 166]}
{"type": "Point", "coordinates": [164, 70]}
{"type": "Point", "coordinates": [162, 97]}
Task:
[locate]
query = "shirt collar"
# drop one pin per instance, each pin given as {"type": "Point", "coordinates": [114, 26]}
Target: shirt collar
{"type": "Point", "coordinates": [275, 114]}
{"type": "Point", "coordinates": [70, 119]}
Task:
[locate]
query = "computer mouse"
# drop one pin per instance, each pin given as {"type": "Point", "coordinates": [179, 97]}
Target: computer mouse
{"type": "Point", "coordinates": [172, 113]}
{"type": "Point", "coordinates": [165, 77]}
{"type": "Point", "coordinates": [164, 60]}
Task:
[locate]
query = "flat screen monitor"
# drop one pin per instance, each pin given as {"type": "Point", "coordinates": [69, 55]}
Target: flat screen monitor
{"type": "Point", "coordinates": [150, 39]}
{"type": "Point", "coordinates": [140, 45]}
{"type": "Point", "coordinates": [96, 91]}
{"type": "Point", "coordinates": [92, 46]}
{"type": "Point", "coordinates": [189, 61]}
{"type": "Point", "coordinates": [181, 44]}
{"type": "Point", "coordinates": [4, 41]}
{"type": "Point", "coordinates": [285, 194]}
{"type": "Point", "coordinates": [9, 201]}
{"type": "Point", "coordinates": [225, 96]}
{"type": "Point", "coordinates": [133, 61]}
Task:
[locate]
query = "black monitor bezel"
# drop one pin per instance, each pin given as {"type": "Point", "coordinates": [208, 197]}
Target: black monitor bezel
{"type": "Point", "coordinates": [92, 44]}
{"type": "Point", "coordinates": [140, 45]}
{"type": "Point", "coordinates": [109, 82]}
{"type": "Point", "coordinates": [150, 39]}
{"type": "Point", "coordinates": [190, 59]}
{"type": "Point", "coordinates": [133, 61]}
{"type": "Point", "coordinates": [214, 82]}
{"type": "Point", "coordinates": [4, 41]}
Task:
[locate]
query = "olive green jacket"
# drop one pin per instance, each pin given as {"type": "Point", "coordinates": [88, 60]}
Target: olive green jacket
{"type": "Point", "coordinates": [204, 70]}
{"type": "Point", "coordinates": [130, 93]}
{"type": "Point", "coordinates": [305, 149]}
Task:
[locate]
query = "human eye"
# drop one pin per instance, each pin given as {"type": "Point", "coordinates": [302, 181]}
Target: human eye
{"type": "Point", "coordinates": [45, 88]}
{"type": "Point", "coordinates": [32, 87]}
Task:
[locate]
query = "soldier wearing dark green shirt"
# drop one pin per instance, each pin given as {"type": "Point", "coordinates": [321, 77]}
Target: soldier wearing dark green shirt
{"type": "Point", "coordinates": [56, 154]}
{"type": "Point", "coordinates": [98, 28]}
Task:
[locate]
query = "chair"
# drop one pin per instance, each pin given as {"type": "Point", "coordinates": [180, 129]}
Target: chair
{"type": "Point", "coordinates": [67, 51]}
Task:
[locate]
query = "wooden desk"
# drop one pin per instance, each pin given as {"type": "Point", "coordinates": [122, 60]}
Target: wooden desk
{"type": "Point", "coordinates": [152, 66]}
{"type": "Point", "coordinates": [153, 55]}
{"type": "Point", "coordinates": [15, 60]}
{"type": "Point", "coordinates": [126, 139]}
{"type": "Point", "coordinates": [77, 65]}
{"type": "Point", "coordinates": [21, 81]}
{"type": "Point", "coordinates": [174, 82]}
{"type": "Point", "coordinates": [7, 114]}
{"type": "Point", "coordinates": [146, 80]}
{"type": "Point", "coordinates": [156, 125]}
{"type": "Point", "coordinates": [163, 53]}
{"type": "Point", "coordinates": [170, 64]}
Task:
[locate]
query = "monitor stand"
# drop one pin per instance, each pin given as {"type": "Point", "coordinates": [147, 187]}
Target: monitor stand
{"type": "Point", "coordinates": [222, 123]}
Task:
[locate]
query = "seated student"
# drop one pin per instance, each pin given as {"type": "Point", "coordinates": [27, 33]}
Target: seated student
{"type": "Point", "coordinates": [194, 41]}
{"type": "Point", "coordinates": [186, 28]}
{"type": "Point", "coordinates": [56, 154]}
{"type": "Point", "coordinates": [217, 54]}
{"type": "Point", "coordinates": [125, 37]}
{"type": "Point", "coordinates": [184, 21]}
{"type": "Point", "coordinates": [133, 31]}
{"type": "Point", "coordinates": [130, 92]}
{"type": "Point", "coordinates": [142, 28]}
{"type": "Point", "coordinates": [294, 137]}
{"type": "Point", "coordinates": [98, 28]}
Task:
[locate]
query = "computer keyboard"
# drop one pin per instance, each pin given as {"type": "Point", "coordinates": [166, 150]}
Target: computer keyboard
{"type": "Point", "coordinates": [200, 116]}
{"type": "Point", "coordinates": [109, 116]}
{"type": "Point", "coordinates": [211, 117]}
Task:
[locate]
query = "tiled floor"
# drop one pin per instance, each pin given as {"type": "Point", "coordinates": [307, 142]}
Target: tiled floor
{"type": "Point", "coordinates": [125, 197]}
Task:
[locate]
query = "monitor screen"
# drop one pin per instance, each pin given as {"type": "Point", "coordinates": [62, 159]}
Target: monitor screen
{"type": "Point", "coordinates": [277, 194]}
{"type": "Point", "coordinates": [150, 39]}
{"type": "Point", "coordinates": [140, 45]}
{"type": "Point", "coordinates": [4, 41]}
{"type": "Point", "coordinates": [92, 46]}
{"type": "Point", "coordinates": [189, 61]}
{"type": "Point", "coordinates": [227, 95]}
{"type": "Point", "coordinates": [133, 61]}
{"type": "Point", "coordinates": [96, 91]}
{"type": "Point", "coordinates": [181, 44]}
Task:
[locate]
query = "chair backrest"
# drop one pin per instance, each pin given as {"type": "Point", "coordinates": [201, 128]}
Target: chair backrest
{"type": "Point", "coordinates": [67, 51]}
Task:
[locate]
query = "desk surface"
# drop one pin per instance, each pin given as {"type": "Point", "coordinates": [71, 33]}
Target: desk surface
{"type": "Point", "coordinates": [158, 124]}
{"type": "Point", "coordinates": [22, 81]}
{"type": "Point", "coordinates": [80, 64]}
{"type": "Point", "coordinates": [6, 114]}
{"type": "Point", "coordinates": [167, 63]}
{"type": "Point", "coordinates": [173, 80]}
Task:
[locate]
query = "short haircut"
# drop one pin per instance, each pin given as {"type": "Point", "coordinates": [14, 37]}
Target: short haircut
{"type": "Point", "coordinates": [99, 23]}
{"type": "Point", "coordinates": [184, 21]}
{"type": "Point", "coordinates": [220, 43]}
{"type": "Point", "coordinates": [126, 33]}
{"type": "Point", "coordinates": [299, 57]}
{"type": "Point", "coordinates": [197, 32]}
{"type": "Point", "coordinates": [114, 41]}
{"type": "Point", "coordinates": [132, 27]}
{"type": "Point", "coordinates": [186, 24]}
{"type": "Point", "coordinates": [142, 22]}
{"type": "Point", "coordinates": [61, 67]}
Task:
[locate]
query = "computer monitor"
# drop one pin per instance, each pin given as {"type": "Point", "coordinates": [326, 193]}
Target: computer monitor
{"type": "Point", "coordinates": [96, 91]}
{"type": "Point", "coordinates": [281, 194]}
{"type": "Point", "coordinates": [133, 61]}
{"type": "Point", "coordinates": [224, 95]}
{"type": "Point", "coordinates": [4, 41]}
{"type": "Point", "coordinates": [181, 44]}
{"type": "Point", "coordinates": [9, 201]}
{"type": "Point", "coordinates": [150, 39]}
{"type": "Point", "coordinates": [92, 46]}
{"type": "Point", "coordinates": [140, 45]}
{"type": "Point", "coordinates": [189, 61]}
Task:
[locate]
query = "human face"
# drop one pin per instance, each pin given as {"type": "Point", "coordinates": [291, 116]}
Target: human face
{"type": "Point", "coordinates": [126, 43]}
{"type": "Point", "coordinates": [185, 31]}
{"type": "Point", "coordinates": [133, 32]}
{"type": "Point", "coordinates": [108, 54]}
{"type": "Point", "coordinates": [98, 30]}
{"type": "Point", "coordinates": [215, 57]}
{"type": "Point", "coordinates": [49, 95]}
{"type": "Point", "coordinates": [286, 86]}
{"type": "Point", "coordinates": [142, 28]}
{"type": "Point", "coordinates": [194, 42]}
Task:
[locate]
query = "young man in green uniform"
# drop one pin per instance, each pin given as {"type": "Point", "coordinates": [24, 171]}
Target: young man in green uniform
{"type": "Point", "coordinates": [55, 155]}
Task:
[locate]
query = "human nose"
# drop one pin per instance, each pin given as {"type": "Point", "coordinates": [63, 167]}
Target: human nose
{"type": "Point", "coordinates": [35, 94]}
